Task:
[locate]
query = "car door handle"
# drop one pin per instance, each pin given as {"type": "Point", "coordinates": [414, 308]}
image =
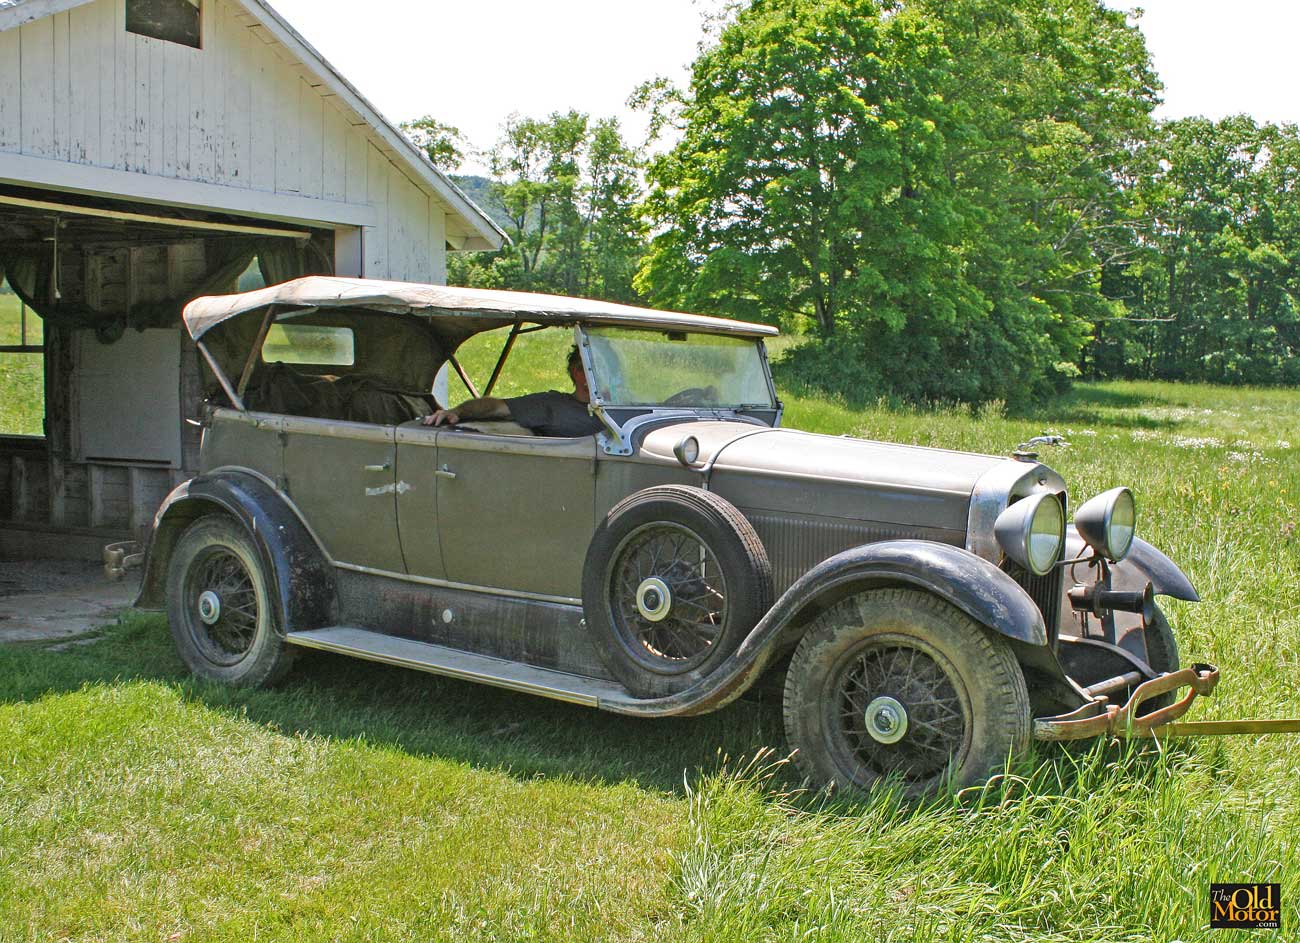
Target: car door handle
{"type": "Point", "coordinates": [387, 466]}
{"type": "Point", "coordinates": [445, 472]}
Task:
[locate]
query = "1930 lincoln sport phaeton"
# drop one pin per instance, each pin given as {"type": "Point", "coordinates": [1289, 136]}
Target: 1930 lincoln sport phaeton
{"type": "Point", "coordinates": [926, 611]}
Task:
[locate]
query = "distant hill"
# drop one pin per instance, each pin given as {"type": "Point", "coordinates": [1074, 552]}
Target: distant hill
{"type": "Point", "coordinates": [479, 189]}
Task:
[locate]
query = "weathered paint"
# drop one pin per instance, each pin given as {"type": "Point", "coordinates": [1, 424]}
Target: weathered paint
{"type": "Point", "coordinates": [80, 98]}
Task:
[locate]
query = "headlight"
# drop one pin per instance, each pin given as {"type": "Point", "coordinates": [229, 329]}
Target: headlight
{"type": "Point", "coordinates": [687, 450]}
{"type": "Point", "coordinates": [1032, 532]}
{"type": "Point", "coordinates": [1106, 522]}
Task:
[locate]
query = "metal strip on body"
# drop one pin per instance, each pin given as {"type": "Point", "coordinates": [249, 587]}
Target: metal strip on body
{"type": "Point", "coordinates": [468, 587]}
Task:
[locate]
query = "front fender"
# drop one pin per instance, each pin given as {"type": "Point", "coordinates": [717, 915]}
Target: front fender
{"type": "Point", "coordinates": [970, 583]}
{"type": "Point", "coordinates": [1144, 563]}
{"type": "Point", "coordinates": [301, 577]}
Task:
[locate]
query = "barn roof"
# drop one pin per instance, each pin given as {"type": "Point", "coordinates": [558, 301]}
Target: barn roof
{"type": "Point", "coordinates": [491, 308]}
{"type": "Point", "coordinates": [476, 230]}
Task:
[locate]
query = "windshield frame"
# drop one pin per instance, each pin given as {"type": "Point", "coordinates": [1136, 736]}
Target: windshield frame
{"type": "Point", "coordinates": [737, 343]}
{"type": "Point", "coordinates": [622, 420]}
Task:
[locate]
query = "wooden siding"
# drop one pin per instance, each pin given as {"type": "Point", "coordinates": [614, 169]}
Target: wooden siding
{"type": "Point", "coordinates": [240, 112]}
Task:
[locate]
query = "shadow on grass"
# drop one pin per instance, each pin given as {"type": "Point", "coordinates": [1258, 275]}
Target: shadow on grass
{"type": "Point", "coordinates": [1088, 404]}
{"type": "Point", "coordinates": [343, 698]}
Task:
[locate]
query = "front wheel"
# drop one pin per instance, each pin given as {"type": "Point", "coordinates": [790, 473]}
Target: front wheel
{"type": "Point", "coordinates": [897, 684]}
{"type": "Point", "coordinates": [219, 606]}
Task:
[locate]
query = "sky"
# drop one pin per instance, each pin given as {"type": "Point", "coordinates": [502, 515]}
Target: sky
{"type": "Point", "coordinates": [472, 66]}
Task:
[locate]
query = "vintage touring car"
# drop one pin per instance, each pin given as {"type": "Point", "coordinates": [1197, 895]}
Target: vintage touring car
{"type": "Point", "coordinates": [926, 612]}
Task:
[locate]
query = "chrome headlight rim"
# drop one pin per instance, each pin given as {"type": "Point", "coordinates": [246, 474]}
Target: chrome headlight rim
{"type": "Point", "coordinates": [1022, 527]}
{"type": "Point", "coordinates": [1108, 523]}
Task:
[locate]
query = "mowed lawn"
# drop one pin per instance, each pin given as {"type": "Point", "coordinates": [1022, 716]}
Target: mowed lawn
{"type": "Point", "coordinates": [359, 802]}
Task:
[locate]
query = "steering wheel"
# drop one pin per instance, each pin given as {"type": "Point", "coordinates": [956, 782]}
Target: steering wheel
{"type": "Point", "coordinates": [692, 396]}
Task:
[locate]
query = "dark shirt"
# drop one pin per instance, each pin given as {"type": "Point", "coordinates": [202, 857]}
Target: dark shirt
{"type": "Point", "coordinates": [553, 413]}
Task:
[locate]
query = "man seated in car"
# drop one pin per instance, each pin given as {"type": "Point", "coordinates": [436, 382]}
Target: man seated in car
{"type": "Point", "coordinates": [551, 413]}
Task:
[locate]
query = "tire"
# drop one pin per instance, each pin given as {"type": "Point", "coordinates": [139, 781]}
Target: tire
{"type": "Point", "coordinates": [949, 699]}
{"type": "Point", "coordinates": [675, 577]}
{"type": "Point", "coordinates": [1162, 656]}
{"type": "Point", "coordinates": [234, 641]}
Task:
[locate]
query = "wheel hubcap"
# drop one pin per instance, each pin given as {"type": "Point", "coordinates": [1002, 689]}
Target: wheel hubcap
{"type": "Point", "coordinates": [209, 607]}
{"type": "Point", "coordinates": [654, 600]}
{"type": "Point", "coordinates": [886, 720]}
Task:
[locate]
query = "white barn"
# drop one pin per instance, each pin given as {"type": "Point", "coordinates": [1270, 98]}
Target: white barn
{"type": "Point", "coordinates": [150, 150]}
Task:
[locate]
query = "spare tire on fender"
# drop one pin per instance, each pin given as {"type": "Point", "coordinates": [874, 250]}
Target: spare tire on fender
{"type": "Point", "coordinates": [675, 578]}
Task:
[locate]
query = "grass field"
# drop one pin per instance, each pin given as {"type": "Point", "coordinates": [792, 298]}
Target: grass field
{"type": "Point", "coordinates": [359, 802]}
{"type": "Point", "coordinates": [22, 376]}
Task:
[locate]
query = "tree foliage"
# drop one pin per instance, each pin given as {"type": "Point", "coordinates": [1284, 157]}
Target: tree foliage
{"type": "Point", "coordinates": [956, 199]}
{"type": "Point", "coordinates": [568, 188]}
{"type": "Point", "coordinates": [933, 184]}
{"type": "Point", "coordinates": [1212, 293]}
{"type": "Point", "coordinates": [443, 144]}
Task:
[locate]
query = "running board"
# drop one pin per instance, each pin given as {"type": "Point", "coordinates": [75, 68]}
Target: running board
{"type": "Point", "coordinates": [455, 663]}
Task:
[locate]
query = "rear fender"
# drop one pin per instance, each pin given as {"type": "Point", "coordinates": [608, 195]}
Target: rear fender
{"type": "Point", "coordinates": [301, 577]}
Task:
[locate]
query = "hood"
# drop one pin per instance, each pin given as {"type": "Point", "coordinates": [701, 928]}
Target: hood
{"type": "Point", "coordinates": [822, 475]}
{"type": "Point", "coordinates": [732, 446]}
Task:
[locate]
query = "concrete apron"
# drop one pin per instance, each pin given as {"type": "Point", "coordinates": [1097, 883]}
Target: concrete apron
{"type": "Point", "coordinates": [47, 600]}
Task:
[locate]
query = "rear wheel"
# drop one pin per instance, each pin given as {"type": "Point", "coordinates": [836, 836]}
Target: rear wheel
{"type": "Point", "coordinates": [219, 606]}
{"type": "Point", "coordinates": [896, 684]}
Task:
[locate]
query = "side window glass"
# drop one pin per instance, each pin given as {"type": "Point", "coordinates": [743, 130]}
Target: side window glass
{"type": "Point", "coordinates": [309, 344]}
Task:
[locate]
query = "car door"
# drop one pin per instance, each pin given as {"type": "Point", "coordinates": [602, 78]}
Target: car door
{"type": "Point", "coordinates": [417, 499]}
{"type": "Point", "coordinates": [515, 512]}
{"type": "Point", "coordinates": [341, 476]}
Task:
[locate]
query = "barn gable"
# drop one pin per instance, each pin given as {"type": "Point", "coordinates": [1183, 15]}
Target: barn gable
{"type": "Point", "coordinates": [137, 173]}
{"type": "Point", "coordinates": [255, 122]}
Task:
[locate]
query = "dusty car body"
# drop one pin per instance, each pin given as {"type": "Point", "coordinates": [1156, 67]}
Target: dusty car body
{"type": "Point", "coordinates": [926, 624]}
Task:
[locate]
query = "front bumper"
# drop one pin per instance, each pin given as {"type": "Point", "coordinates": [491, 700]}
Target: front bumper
{"type": "Point", "coordinates": [1099, 717]}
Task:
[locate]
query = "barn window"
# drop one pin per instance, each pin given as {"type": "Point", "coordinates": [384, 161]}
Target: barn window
{"type": "Point", "coordinates": [176, 21]}
{"type": "Point", "coordinates": [22, 367]}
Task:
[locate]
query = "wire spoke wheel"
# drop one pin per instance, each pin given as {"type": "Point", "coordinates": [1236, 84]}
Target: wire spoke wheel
{"type": "Point", "coordinates": [675, 578]}
{"type": "Point", "coordinates": [898, 710]}
{"type": "Point", "coordinates": [221, 605]}
{"type": "Point", "coordinates": [667, 594]}
{"type": "Point", "coordinates": [896, 685]}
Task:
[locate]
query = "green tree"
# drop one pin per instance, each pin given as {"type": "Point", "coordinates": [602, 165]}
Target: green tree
{"type": "Point", "coordinates": [808, 179]}
{"type": "Point", "coordinates": [614, 232]}
{"type": "Point", "coordinates": [937, 185]}
{"type": "Point", "coordinates": [443, 144]}
{"type": "Point", "coordinates": [569, 190]}
{"type": "Point", "coordinates": [1212, 297]}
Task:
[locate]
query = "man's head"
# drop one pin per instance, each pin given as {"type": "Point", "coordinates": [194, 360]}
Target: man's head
{"type": "Point", "coordinates": [579, 377]}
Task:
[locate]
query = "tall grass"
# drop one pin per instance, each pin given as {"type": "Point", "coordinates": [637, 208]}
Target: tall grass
{"type": "Point", "coordinates": [358, 802]}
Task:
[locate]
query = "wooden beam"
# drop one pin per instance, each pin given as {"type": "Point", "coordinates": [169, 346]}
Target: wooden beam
{"type": "Point", "coordinates": [66, 209]}
{"type": "Point", "coordinates": [34, 10]}
{"type": "Point", "coordinates": [20, 491]}
{"type": "Point", "coordinates": [95, 495]}
{"type": "Point", "coordinates": [26, 171]}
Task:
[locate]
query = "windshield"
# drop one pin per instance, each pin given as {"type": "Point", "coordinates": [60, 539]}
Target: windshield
{"type": "Point", "coordinates": [671, 368]}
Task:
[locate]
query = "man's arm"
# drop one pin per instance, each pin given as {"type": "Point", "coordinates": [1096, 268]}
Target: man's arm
{"type": "Point", "coordinates": [485, 407]}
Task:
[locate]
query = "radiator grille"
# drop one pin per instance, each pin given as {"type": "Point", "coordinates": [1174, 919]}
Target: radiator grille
{"type": "Point", "coordinates": [1045, 591]}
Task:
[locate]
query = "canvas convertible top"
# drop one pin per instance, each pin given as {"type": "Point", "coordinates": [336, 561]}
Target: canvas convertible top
{"type": "Point", "coordinates": [486, 307]}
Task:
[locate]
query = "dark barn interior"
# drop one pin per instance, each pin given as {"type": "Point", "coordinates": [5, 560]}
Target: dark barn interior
{"type": "Point", "coordinates": [102, 283]}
